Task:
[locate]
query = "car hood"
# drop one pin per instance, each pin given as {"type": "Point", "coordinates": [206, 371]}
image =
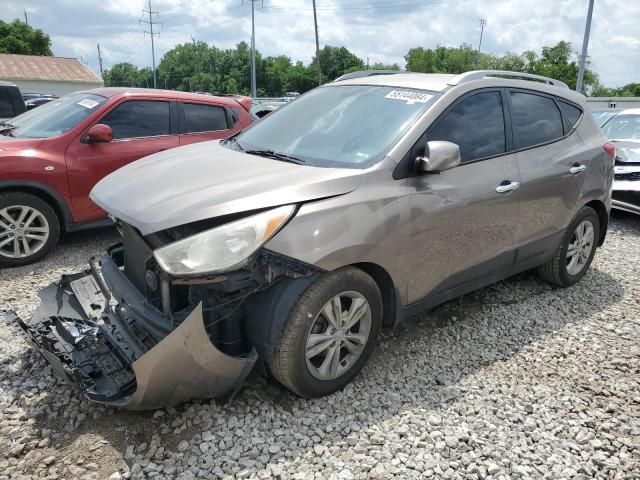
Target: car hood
{"type": "Point", "coordinates": [10, 144]}
{"type": "Point", "coordinates": [627, 151]}
{"type": "Point", "coordinates": [206, 180]}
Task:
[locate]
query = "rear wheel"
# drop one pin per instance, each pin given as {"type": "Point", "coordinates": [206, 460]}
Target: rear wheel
{"type": "Point", "coordinates": [330, 333]}
{"type": "Point", "coordinates": [576, 251]}
{"type": "Point", "coordinates": [29, 229]}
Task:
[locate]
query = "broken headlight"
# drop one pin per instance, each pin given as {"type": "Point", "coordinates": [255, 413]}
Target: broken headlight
{"type": "Point", "coordinates": [222, 248]}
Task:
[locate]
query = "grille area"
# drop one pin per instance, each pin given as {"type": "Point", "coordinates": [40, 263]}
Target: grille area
{"type": "Point", "coordinates": [628, 176]}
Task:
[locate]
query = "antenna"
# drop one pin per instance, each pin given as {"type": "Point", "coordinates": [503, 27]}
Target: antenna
{"type": "Point", "coordinates": [150, 22]}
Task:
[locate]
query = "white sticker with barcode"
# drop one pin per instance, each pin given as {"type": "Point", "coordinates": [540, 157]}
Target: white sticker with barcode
{"type": "Point", "coordinates": [87, 103]}
{"type": "Point", "coordinates": [409, 96]}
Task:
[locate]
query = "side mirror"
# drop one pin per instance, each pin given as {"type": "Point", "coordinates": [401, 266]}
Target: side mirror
{"type": "Point", "coordinates": [99, 133]}
{"type": "Point", "coordinates": [438, 157]}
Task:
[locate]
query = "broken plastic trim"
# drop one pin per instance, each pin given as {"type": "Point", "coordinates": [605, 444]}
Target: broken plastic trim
{"type": "Point", "coordinates": [99, 354]}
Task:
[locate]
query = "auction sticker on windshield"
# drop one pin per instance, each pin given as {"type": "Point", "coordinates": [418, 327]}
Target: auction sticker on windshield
{"type": "Point", "coordinates": [409, 96]}
{"type": "Point", "coordinates": [87, 103]}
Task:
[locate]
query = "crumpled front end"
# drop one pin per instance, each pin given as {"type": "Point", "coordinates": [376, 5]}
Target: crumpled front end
{"type": "Point", "coordinates": [127, 334]}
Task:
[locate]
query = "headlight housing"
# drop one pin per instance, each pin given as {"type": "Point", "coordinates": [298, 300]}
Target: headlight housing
{"type": "Point", "coordinates": [223, 248]}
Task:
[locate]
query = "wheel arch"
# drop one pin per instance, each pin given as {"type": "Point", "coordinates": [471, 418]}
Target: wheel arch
{"type": "Point", "coordinates": [391, 302]}
{"type": "Point", "coordinates": [603, 218]}
{"type": "Point", "coordinates": [45, 193]}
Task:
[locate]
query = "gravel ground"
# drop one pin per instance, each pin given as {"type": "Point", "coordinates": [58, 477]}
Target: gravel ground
{"type": "Point", "coordinates": [519, 380]}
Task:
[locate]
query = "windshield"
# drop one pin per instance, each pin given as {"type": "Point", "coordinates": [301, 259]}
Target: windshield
{"type": "Point", "coordinates": [56, 117]}
{"type": "Point", "coordinates": [602, 116]}
{"type": "Point", "coordinates": [623, 127]}
{"type": "Point", "coordinates": [339, 126]}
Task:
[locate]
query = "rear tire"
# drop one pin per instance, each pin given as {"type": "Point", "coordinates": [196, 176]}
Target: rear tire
{"type": "Point", "coordinates": [29, 229]}
{"type": "Point", "coordinates": [343, 341]}
{"type": "Point", "coordinates": [575, 253]}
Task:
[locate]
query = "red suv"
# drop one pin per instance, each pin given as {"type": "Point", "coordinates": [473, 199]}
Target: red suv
{"type": "Point", "coordinates": [51, 157]}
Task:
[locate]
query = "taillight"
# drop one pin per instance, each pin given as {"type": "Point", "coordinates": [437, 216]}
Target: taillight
{"type": "Point", "coordinates": [610, 149]}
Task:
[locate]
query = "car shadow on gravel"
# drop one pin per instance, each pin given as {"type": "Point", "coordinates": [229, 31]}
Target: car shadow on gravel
{"type": "Point", "coordinates": [421, 364]}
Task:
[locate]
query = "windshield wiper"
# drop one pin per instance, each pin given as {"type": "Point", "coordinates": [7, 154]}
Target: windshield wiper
{"type": "Point", "coordinates": [277, 156]}
{"type": "Point", "coordinates": [6, 128]}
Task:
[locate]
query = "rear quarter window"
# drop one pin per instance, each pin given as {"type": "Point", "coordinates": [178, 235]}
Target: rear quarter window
{"type": "Point", "coordinates": [571, 113]}
{"type": "Point", "coordinates": [536, 119]}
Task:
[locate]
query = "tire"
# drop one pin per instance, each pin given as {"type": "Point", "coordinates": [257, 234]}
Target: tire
{"type": "Point", "coordinates": [289, 363]}
{"type": "Point", "coordinates": [40, 238]}
{"type": "Point", "coordinates": [559, 271]}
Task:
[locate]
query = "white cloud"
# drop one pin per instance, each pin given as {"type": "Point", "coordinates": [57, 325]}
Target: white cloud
{"type": "Point", "coordinates": [383, 34]}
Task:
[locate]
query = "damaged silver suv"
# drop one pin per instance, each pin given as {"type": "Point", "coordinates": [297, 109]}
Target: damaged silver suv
{"type": "Point", "coordinates": [363, 202]}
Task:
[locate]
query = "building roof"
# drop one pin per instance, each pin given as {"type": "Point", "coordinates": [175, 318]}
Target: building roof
{"type": "Point", "coordinates": [33, 67]}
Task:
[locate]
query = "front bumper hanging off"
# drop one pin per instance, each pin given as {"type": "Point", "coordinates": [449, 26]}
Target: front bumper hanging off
{"type": "Point", "coordinates": [98, 331]}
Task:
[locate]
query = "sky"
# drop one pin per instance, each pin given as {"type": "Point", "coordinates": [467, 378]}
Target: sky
{"type": "Point", "coordinates": [381, 30]}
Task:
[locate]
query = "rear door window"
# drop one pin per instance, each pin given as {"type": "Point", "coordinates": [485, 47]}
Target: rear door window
{"type": "Point", "coordinates": [536, 119]}
{"type": "Point", "coordinates": [139, 118]}
{"type": "Point", "coordinates": [476, 125]}
{"type": "Point", "coordinates": [6, 105]}
{"type": "Point", "coordinates": [204, 118]}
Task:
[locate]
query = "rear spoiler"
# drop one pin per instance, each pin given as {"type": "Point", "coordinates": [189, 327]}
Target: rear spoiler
{"type": "Point", "coordinates": [246, 102]}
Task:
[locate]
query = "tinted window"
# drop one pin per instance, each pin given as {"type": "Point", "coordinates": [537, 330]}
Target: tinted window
{"type": "Point", "coordinates": [204, 118]}
{"type": "Point", "coordinates": [572, 113]}
{"type": "Point", "coordinates": [139, 119]}
{"type": "Point", "coordinates": [536, 119]}
{"type": "Point", "coordinates": [476, 124]}
{"type": "Point", "coordinates": [6, 107]}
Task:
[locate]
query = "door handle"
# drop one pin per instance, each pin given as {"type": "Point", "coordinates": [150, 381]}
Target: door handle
{"type": "Point", "coordinates": [507, 186]}
{"type": "Point", "coordinates": [576, 169]}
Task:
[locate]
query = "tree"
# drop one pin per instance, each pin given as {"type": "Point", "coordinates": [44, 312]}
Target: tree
{"type": "Point", "coordinates": [122, 75]}
{"type": "Point", "coordinates": [18, 37]}
{"type": "Point", "coordinates": [336, 61]}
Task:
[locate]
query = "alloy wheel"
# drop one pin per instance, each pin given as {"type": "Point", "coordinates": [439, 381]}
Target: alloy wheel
{"type": "Point", "coordinates": [580, 247]}
{"type": "Point", "coordinates": [23, 231]}
{"type": "Point", "coordinates": [338, 335]}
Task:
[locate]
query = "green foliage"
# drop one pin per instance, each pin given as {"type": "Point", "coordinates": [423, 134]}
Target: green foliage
{"type": "Point", "coordinates": [198, 67]}
{"type": "Point", "coordinates": [18, 37]}
{"type": "Point", "coordinates": [629, 90]}
{"type": "Point", "coordinates": [557, 62]}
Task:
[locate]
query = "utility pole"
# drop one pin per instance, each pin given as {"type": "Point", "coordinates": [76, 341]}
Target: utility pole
{"type": "Point", "coordinates": [585, 46]}
{"type": "Point", "coordinates": [100, 59]}
{"type": "Point", "coordinates": [151, 34]}
{"type": "Point", "coordinates": [315, 21]}
{"type": "Point", "coordinates": [483, 22]}
{"type": "Point", "coordinates": [26, 20]}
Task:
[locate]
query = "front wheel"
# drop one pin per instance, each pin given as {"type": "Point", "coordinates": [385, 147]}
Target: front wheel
{"type": "Point", "coordinates": [330, 334]}
{"type": "Point", "coordinates": [29, 229]}
{"type": "Point", "coordinates": [576, 250]}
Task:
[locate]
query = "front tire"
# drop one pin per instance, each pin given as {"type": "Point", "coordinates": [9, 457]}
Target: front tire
{"type": "Point", "coordinates": [29, 229]}
{"type": "Point", "coordinates": [576, 250]}
{"type": "Point", "coordinates": [330, 334]}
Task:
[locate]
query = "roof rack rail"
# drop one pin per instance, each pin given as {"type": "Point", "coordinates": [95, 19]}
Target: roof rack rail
{"type": "Point", "coordinates": [478, 74]}
{"type": "Point", "coordinates": [368, 73]}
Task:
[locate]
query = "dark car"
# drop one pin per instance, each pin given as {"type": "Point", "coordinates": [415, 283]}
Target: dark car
{"type": "Point", "coordinates": [51, 157]}
{"type": "Point", "coordinates": [31, 95]}
{"type": "Point", "coordinates": [37, 101]}
{"type": "Point", "coordinates": [11, 102]}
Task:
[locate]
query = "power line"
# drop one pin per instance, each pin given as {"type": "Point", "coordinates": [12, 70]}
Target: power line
{"type": "Point", "coordinates": [365, 5]}
{"type": "Point", "coordinates": [253, 46]}
{"type": "Point", "coordinates": [483, 22]}
{"type": "Point", "coordinates": [151, 34]}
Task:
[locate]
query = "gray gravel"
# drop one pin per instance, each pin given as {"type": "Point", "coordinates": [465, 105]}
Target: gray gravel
{"type": "Point", "coordinates": [519, 380]}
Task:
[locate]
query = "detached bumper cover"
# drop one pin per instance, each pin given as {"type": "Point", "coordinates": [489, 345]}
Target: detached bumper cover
{"type": "Point", "coordinates": [102, 348]}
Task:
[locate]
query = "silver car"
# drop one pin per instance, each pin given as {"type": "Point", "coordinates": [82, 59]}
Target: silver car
{"type": "Point", "coordinates": [362, 203]}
